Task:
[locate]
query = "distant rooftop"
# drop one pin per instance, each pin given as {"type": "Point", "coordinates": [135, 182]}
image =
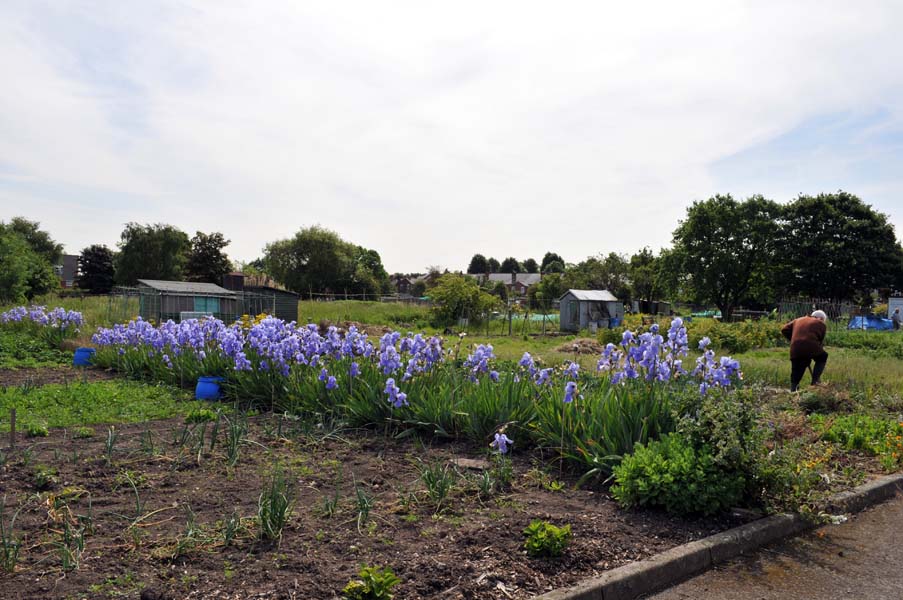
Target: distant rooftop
{"type": "Point", "coordinates": [186, 287]}
{"type": "Point", "coordinates": [592, 295]}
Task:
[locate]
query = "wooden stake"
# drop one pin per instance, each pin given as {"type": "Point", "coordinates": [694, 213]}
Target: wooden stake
{"type": "Point", "coordinates": [12, 429]}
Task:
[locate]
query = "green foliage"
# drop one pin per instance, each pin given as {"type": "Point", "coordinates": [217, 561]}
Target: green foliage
{"type": "Point", "coordinates": [39, 241]}
{"type": "Point", "coordinates": [96, 272]}
{"type": "Point", "coordinates": [35, 429]}
{"type": "Point", "coordinates": [595, 432]}
{"type": "Point", "coordinates": [201, 415]}
{"type": "Point", "coordinates": [151, 252]}
{"type": "Point", "coordinates": [206, 260]}
{"type": "Point", "coordinates": [670, 473]}
{"type": "Point", "coordinates": [609, 272]}
{"type": "Point", "coordinates": [274, 506]}
{"type": "Point", "coordinates": [645, 281]}
{"type": "Point", "coordinates": [23, 349]}
{"type": "Point", "coordinates": [858, 432]}
{"type": "Point", "coordinates": [24, 273]}
{"type": "Point", "coordinates": [318, 260]}
{"type": "Point", "coordinates": [478, 265]}
{"type": "Point", "coordinates": [390, 314]}
{"type": "Point", "coordinates": [44, 477]}
{"type": "Point", "coordinates": [10, 544]}
{"type": "Point", "coordinates": [457, 296]}
{"type": "Point", "coordinates": [530, 266]}
{"type": "Point", "coordinates": [510, 265]}
{"type": "Point", "coordinates": [373, 583]}
{"type": "Point", "coordinates": [439, 479]}
{"type": "Point", "coordinates": [860, 241]}
{"type": "Point", "coordinates": [552, 263]}
{"type": "Point", "coordinates": [545, 539]}
{"type": "Point", "coordinates": [77, 404]}
{"type": "Point", "coordinates": [725, 251]}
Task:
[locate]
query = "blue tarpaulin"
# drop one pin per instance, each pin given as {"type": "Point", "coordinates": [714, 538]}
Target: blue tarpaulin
{"type": "Point", "coordinates": [871, 322]}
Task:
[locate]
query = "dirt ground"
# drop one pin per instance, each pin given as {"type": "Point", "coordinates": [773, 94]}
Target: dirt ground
{"type": "Point", "coordinates": [61, 374]}
{"type": "Point", "coordinates": [149, 519]}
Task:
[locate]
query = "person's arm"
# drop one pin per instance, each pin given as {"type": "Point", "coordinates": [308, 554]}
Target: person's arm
{"type": "Point", "coordinates": [787, 330]}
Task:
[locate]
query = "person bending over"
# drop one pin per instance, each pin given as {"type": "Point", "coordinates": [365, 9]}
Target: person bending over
{"type": "Point", "coordinates": [807, 336]}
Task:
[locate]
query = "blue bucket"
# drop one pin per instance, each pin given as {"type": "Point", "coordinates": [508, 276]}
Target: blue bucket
{"type": "Point", "coordinates": [208, 388]}
{"type": "Point", "coordinates": [83, 357]}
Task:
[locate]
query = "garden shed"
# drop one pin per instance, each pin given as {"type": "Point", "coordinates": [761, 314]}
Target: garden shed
{"type": "Point", "coordinates": [261, 294]}
{"type": "Point", "coordinates": [590, 309]}
{"type": "Point", "coordinates": [163, 300]}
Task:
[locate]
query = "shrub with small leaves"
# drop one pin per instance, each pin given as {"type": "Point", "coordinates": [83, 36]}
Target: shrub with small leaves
{"type": "Point", "coordinates": [373, 583]}
{"type": "Point", "coordinates": [545, 539]}
{"type": "Point", "coordinates": [672, 474]}
{"type": "Point", "coordinates": [36, 430]}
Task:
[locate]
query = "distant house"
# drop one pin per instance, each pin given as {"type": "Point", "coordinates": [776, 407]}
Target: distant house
{"type": "Point", "coordinates": [589, 309]}
{"type": "Point", "coordinates": [261, 294]}
{"type": "Point", "coordinates": [67, 270]}
{"type": "Point", "coordinates": [402, 283]}
{"type": "Point", "coordinates": [163, 300]}
{"type": "Point", "coordinates": [516, 283]}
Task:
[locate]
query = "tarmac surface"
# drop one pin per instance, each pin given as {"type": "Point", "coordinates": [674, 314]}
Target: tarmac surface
{"type": "Point", "coordinates": [862, 558]}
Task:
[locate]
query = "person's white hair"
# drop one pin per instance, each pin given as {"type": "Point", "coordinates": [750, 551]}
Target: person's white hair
{"type": "Point", "coordinates": [820, 314]}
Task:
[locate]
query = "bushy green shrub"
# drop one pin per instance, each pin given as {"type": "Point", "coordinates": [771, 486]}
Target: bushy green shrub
{"type": "Point", "coordinates": [545, 539]}
{"type": "Point", "coordinates": [670, 473]}
{"type": "Point", "coordinates": [857, 432]}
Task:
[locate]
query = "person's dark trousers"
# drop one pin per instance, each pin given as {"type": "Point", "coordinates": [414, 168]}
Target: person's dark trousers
{"type": "Point", "coordinates": [799, 366]}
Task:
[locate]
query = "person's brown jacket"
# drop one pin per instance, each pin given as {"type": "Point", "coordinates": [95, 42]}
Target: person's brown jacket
{"type": "Point", "coordinates": [806, 335]}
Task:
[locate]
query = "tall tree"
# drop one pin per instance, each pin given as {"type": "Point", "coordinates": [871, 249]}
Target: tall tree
{"type": "Point", "coordinates": [478, 265]}
{"type": "Point", "coordinates": [837, 246]}
{"type": "Point", "coordinates": [206, 260]}
{"type": "Point", "coordinates": [494, 265]}
{"type": "Point", "coordinates": [40, 241]}
{"type": "Point", "coordinates": [456, 296]}
{"type": "Point", "coordinates": [726, 249]}
{"type": "Point", "coordinates": [318, 260]}
{"type": "Point", "coordinates": [151, 252]}
{"type": "Point", "coordinates": [531, 266]}
{"type": "Point", "coordinates": [552, 263]}
{"type": "Point", "coordinates": [643, 271]}
{"type": "Point", "coordinates": [603, 272]}
{"type": "Point", "coordinates": [95, 269]}
{"type": "Point", "coordinates": [510, 265]}
{"type": "Point", "coordinates": [24, 273]}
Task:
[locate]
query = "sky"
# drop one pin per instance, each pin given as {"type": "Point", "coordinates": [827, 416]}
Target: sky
{"type": "Point", "coordinates": [430, 131]}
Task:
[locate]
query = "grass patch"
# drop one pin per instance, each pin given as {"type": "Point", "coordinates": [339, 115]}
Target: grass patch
{"type": "Point", "coordinates": [874, 375]}
{"type": "Point", "coordinates": [84, 404]}
{"type": "Point", "coordinates": [390, 314]}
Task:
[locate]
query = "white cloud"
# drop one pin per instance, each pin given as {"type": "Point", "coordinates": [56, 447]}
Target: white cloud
{"type": "Point", "coordinates": [426, 130]}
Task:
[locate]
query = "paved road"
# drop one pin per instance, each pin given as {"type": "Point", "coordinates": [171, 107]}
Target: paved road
{"type": "Point", "coordinates": [862, 558]}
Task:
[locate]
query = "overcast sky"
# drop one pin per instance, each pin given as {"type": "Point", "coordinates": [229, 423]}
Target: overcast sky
{"type": "Point", "coordinates": [433, 130]}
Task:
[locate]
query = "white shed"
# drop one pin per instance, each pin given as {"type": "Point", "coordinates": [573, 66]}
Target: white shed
{"type": "Point", "coordinates": [589, 309]}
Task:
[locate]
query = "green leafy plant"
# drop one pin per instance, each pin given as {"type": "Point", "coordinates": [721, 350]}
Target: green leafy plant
{"type": "Point", "coordinates": [274, 506]}
{"type": "Point", "coordinates": [83, 433]}
{"type": "Point", "coordinates": [9, 543]}
{"type": "Point", "coordinates": [670, 473]}
{"type": "Point", "coordinates": [201, 415]}
{"type": "Point", "coordinates": [546, 540]}
{"type": "Point", "coordinates": [36, 430]}
{"type": "Point", "coordinates": [372, 583]}
{"type": "Point", "coordinates": [439, 479]}
{"type": "Point", "coordinates": [44, 477]}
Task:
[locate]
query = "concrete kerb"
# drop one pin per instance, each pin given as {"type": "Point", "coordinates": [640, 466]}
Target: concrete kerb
{"type": "Point", "coordinates": [682, 562]}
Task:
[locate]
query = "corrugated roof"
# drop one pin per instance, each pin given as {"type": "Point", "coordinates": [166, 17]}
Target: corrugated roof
{"type": "Point", "coordinates": [592, 295]}
{"type": "Point", "coordinates": [186, 287]}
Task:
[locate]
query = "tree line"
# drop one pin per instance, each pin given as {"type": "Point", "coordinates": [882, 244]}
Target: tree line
{"type": "Point", "coordinates": [727, 252]}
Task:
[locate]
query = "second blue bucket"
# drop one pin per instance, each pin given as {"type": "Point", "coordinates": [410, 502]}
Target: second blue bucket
{"type": "Point", "coordinates": [83, 357]}
{"type": "Point", "coordinates": [208, 388]}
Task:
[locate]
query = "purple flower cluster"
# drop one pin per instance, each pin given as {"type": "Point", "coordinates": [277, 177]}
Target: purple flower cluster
{"type": "Point", "coordinates": [714, 373]}
{"type": "Point", "coordinates": [59, 317]}
{"type": "Point", "coordinates": [654, 357]}
{"type": "Point", "coordinates": [477, 362]}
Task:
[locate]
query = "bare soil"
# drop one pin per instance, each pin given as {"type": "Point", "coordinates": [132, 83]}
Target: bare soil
{"type": "Point", "coordinates": [154, 512]}
{"type": "Point", "coordinates": [61, 374]}
{"type": "Point", "coordinates": [581, 346]}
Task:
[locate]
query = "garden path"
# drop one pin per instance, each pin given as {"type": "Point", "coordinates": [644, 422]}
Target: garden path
{"type": "Point", "coordinates": [858, 559]}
